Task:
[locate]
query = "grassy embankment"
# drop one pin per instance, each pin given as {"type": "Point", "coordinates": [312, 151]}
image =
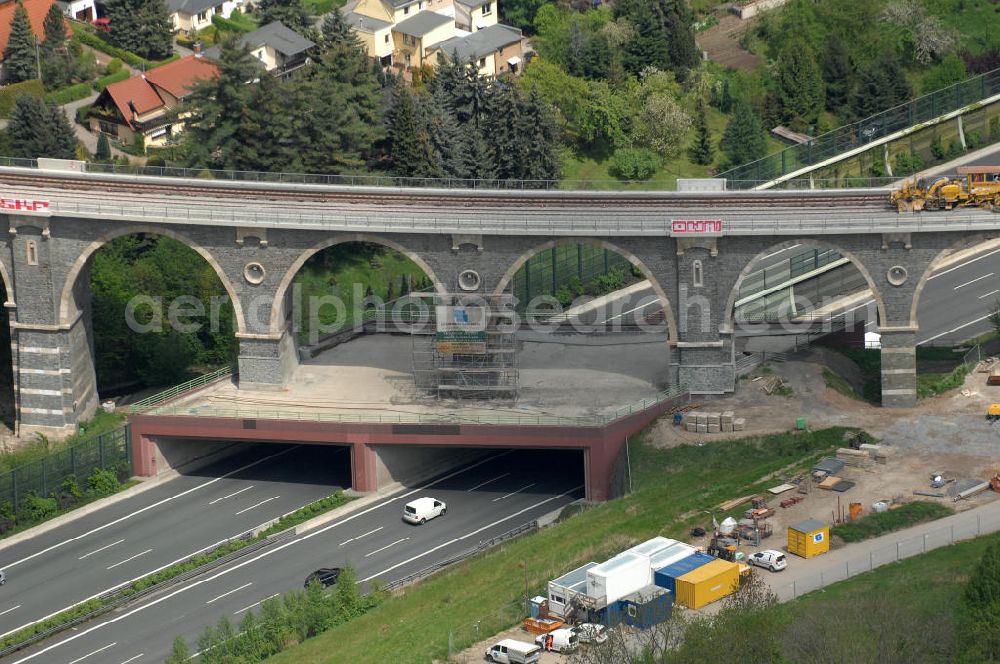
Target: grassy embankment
{"type": "Point", "coordinates": [674, 488]}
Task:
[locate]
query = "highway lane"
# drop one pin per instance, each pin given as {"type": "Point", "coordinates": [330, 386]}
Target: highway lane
{"type": "Point", "coordinates": [137, 536]}
{"type": "Point", "coordinates": [485, 499]}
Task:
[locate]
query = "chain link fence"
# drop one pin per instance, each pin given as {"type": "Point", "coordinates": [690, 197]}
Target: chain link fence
{"type": "Point", "coordinates": [960, 527]}
{"type": "Point", "coordinates": [868, 130]}
{"type": "Point", "coordinates": [45, 476]}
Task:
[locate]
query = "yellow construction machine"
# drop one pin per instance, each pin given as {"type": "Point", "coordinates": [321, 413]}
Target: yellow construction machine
{"type": "Point", "coordinates": [980, 187]}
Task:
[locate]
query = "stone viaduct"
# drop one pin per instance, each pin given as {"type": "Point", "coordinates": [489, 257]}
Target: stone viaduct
{"type": "Point", "coordinates": [694, 248]}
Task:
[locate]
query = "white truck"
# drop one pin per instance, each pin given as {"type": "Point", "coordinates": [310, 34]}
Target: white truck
{"type": "Point", "coordinates": [563, 639]}
{"type": "Point", "coordinates": [510, 651]}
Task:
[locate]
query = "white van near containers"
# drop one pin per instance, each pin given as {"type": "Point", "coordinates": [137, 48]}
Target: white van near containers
{"type": "Point", "coordinates": [510, 651]}
{"type": "Point", "coordinates": [563, 639]}
{"type": "Point", "coordinates": [422, 510]}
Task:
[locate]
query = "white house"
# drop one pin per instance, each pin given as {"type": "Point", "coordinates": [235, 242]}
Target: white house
{"type": "Point", "coordinates": [195, 15]}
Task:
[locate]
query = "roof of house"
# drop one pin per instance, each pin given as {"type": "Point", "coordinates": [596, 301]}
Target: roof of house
{"type": "Point", "coordinates": [37, 9]}
{"type": "Point", "coordinates": [138, 95]}
{"type": "Point", "coordinates": [276, 35]}
{"type": "Point", "coordinates": [474, 4]}
{"type": "Point", "coordinates": [190, 7]}
{"type": "Point", "coordinates": [179, 76]}
{"type": "Point", "coordinates": [420, 24]}
{"type": "Point", "coordinates": [362, 23]}
{"type": "Point", "coordinates": [480, 44]}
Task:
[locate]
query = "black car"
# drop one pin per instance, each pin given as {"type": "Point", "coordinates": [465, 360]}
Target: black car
{"type": "Point", "coordinates": [325, 575]}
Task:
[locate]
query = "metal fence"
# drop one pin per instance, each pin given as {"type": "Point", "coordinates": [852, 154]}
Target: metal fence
{"type": "Point", "coordinates": [548, 271]}
{"type": "Point", "coordinates": [780, 273]}
{"type": "Point", "coordinates": [791, 303]}
{"type": "Point", "coordinates": [857, 134]}
{"type": "Point", "coordinates": [42, 477]}
{"type": "Point", "coordinates": [957, 528]}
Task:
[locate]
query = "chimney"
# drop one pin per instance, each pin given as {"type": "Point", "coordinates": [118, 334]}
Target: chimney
{"type": "Point", "coordinates": [131, 107]}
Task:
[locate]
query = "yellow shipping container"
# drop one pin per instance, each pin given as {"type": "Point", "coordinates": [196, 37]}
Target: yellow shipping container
{"type": "Point", "coordinates": [708, 583]}
{"type": "Point", "coordinates": [808, 538]}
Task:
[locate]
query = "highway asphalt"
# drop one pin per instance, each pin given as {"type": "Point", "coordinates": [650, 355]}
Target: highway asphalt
{"type": "Point", "coordinates": [485, 498]}
{"type": "Point", "coordinates": [134, 537]}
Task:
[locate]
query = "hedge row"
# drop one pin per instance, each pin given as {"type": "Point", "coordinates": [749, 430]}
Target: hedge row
{"type": "Point", "coordinates": [95, 42]}
{"type": "Point", "coordinates": [68, 94]}
{"type": "Point", "coordinates": [105, 81]}
{"type": "Point", "coordinates": [10, 93]}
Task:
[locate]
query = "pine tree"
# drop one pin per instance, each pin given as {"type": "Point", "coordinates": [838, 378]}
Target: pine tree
{"type": "Point", "coordinates": [19, 58]}
{"type": "Point", "coordinates": [478, 155]}
{"type": "Point", "coordinates": [213, 137]}
{"type": "Point", "coordinates": [983, 586]}
{"type": "Point", "coordinates": [800, 87]}
{"type": "Point", "coordinates": [444, 135]}
{"type": "Point", "coordinates": [103, 152]}
{"type": "Point", "coordinates": [292, 13]}
{"type": "Point", "coordinates": [744, 139]}
{"type": "Point", "coordinates": [37, 130]}
{"type": "Point", "coordinates": [702, 151]}
{"type": "Point", "coordinates": [409, 148]}
{"type": "Point", "coordinates": [664, 38]}
{"type": "Point", "coordinates": [838, 73]}
{"type": "Point", "coordinates": [726, 102]}
{"type": "Point", "coordinates": [335, 30]}
{"type": "Point", "coordinates": [266, 143]}
{"type": "Point", "coordinates": [54, 29]}
{"type": "Point", "coordinates": [541, 162]}
{"type": "Point", "coordinates": [141, 26]}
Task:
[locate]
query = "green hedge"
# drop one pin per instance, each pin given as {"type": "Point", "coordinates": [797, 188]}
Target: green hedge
{"type": "Point", "coordinates": [10, 93]}
{"type": "Point", "coordinates": [95, 42]}
{"type": "Point", "coordinates": [68, 94]}
{"type": "Point", "coordinates": [904, 516]}
{"type": "Point", "coordinates": [105, 81]}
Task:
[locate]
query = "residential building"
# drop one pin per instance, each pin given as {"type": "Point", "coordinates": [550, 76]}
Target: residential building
{"type": "Point", "coordinates": [415, 36]}
{"type": "Point", "coordinates": [194, 15]}
{"type": "Point", "coordinates": [494, 50]}
{"type": "Point", "coordinates": [37, 9]}
{"type": "Point", "coordinates": [407, 34]}
{"type": "Point", "coordinates": [474, 15]}
{"type": "Point", "coordinates": [81, 10]}
{"type": "Point", "coordinates": [278, 48]}
{"type": "Point", "coordinates": [147, 104]}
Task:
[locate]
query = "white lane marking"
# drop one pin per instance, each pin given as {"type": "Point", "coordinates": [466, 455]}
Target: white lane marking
{"type": "Point", "coordinates": [227, 594]}
{"type": "Point", "coordinates": [869, 324]}
{"type": "Point", "coordinates": [961, 265]}
{"type": "Point", "coordinates": [128, 559]}
{"type": "Point", "coordinates": [777, 253]}
{"type": "Point", "coordinates": [456, 539]}
{"type": "Point", "coordinates": [992, 292]}
{"type": "Point", "coordinates": [625, 313]}
{"type": "Point", "coordinates": [482, 484]}
{"type": "Point", "coordinates": [147, 508]}
{"type": "Point", "coordinates": [973, 281]}
{"type": "Point", "coordinates": [360, 536]}
{"type": "Point", "coordinates": [132, 659]}
{"type": "Point", "coordinates": [257, 603]}
{"type": "Point", "coordinates": [257, 505]}
{"type": "Point", "coordinates": [235, 493]}
{"type": "Point", "coordinates": [13, 608]}
{"type": "Point", "coordinates": [386, 547]}
{"type": "Point", "coordinates": [101, 549]}
{"type": "Point", "coordinates": [514, 493]}
{"type": "Point", "coordinates": [80, 659]}
{"type": "Point", "coordinates": [955, 329]}
{"type": "Point", "coordinates": [250, 561]}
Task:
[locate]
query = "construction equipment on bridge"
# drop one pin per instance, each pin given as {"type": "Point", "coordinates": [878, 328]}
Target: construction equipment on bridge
{"type": "Point", "coordinates": [980, 187]}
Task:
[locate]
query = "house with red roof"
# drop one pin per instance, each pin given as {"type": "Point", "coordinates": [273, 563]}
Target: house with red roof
{"type": "Point", "coordinates": [37, 9]}
{"type": "Point", "coordinates": [147, 104]}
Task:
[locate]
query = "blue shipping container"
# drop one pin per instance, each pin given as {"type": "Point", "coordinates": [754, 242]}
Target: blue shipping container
{"type": "Point", "coordinates": [643, 609]}
{"type": "Point", "coordinates": [666, 577]}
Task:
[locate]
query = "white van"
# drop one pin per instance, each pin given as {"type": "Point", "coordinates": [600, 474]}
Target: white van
{"type": "Point", "coordinates": [510, 651]}
{"type": "Point", "coordinates": [558, 640]}
{"type": "Point", "coordinates": [423, 509]}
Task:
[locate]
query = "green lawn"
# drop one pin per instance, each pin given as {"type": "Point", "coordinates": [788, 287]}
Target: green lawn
{"type": "Point", "coordinates": [837, 383]}
{"type": "Point", "coordinates": [675, 488]}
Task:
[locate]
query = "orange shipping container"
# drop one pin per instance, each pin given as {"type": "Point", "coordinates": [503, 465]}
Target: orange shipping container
{"type": "Point", "coordinates": [707, 584]}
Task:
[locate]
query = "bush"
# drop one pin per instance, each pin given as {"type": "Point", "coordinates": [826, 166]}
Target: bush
{"type": "Point", "coordinates": [36, 508]}
{"type": "Point", "coordinates": [10, 93]}
{"type": "Point", "coordinates": [102, 482]}
{"type": "Point", "coordinates": [995, 128]}
{"type": "Point", "coordinates": [105, 81]}
{"type": "Point", "coordinates": [973, 139]}
{"type": "Point", "coordinates": [904, 516]}
{"type": "Point", "coordinates": [634, 164]}
{"type": "Point", "coordinates": [68, 94]}
{"type": "Point", "coordinates": [84, 36]}
{"type": "Point", "coordinates": [114, 66]}
{"type": "Point", "coordinates": [908, 163]}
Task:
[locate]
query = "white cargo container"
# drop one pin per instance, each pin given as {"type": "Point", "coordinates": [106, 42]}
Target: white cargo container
{"type": "Point", "coordinates": [670, 555]}
{"type": "Point", "coordinates": [622, 575]}
{"type": "Point", "coordinates": [651, 547]}
{"type": "Point", "coordinates": [563, 591]}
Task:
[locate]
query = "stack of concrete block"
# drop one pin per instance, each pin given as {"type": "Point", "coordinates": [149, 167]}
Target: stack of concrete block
{"type": "Point", "coordinates": [727, 421]}
{"type": "Point", "coordinates": [877, 452]}
{"type": "Point", "coordinates": [739, 424]}
{"type": "Point", "coordinates": [713, 422]}
{"type": "Point", "coordinates": [856, 458]}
